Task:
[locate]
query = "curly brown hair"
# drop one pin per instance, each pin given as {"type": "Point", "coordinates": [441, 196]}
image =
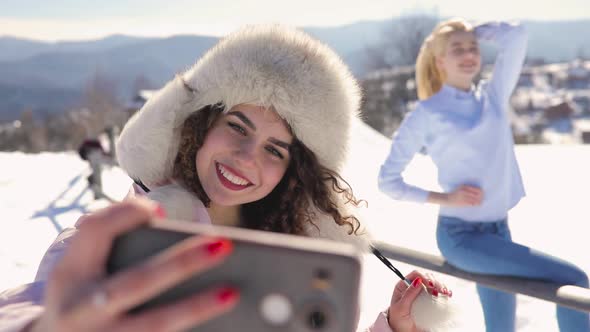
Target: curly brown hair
{"type": "Point", "coordinates": [290, 206]}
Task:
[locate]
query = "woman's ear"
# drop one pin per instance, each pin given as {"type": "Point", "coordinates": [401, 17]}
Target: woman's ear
{"type": "Point", "coordinates": [439, 62]}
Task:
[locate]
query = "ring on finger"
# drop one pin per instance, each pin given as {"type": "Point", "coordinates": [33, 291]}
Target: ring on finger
{"type": "Point", "coordinates": [99, 298]}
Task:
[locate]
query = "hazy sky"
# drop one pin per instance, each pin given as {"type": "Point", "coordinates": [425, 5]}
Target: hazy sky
{"type": "Point", "coordinates": [83, 19]}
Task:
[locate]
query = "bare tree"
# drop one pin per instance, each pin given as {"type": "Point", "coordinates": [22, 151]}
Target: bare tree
{"type": "Point", "coordinates": [141, 82]}
{"type": "Point", "coordinates": [101, 98]}
{"type": "Point", "coordinates": [400, 42]}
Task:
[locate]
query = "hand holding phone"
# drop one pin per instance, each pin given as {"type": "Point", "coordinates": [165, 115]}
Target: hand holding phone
{"type": "Point", "coordinates": [80, 297]}
{"type": "Point", "coordinates": [286, 283]}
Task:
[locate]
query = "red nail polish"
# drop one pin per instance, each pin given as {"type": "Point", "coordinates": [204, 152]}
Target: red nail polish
{"type": "Point", "coordinates": [227, 295]}
{"type": "Point", "coordinates": [435, 292]}
{"type": "Point", "coordinates": [450, 293]}
{"type": "Point", "coordinates": [430, 283]}
{"type": "Point", "coordinates": [219, 247]}
{"type": "Point", "coordinates": [416, 283]}
{"type": "Point", "coordinates": [160, 212]}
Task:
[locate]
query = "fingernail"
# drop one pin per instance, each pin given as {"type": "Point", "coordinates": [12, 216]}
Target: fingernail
{"type": "Point", "coordinates": [160, 212]}
{"type": "Point", "coordinates": [445, 291]}
{"type": "Point", "coordinates": [81, 220]}
{"type": "Point", "coordinates": [219, 247]}
{"type": "Point", "coordinates": [430, 283]}
{"type": "Point", "coordinates": [435, 292]}
{"type": "Point", "coordinates": [416, 283]}
{"type": "Point", "coordinates": [227, 295]}
{"type": "Point", "coordinates": [450, 293]}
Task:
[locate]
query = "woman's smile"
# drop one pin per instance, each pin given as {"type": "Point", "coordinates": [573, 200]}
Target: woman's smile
{"type": "Point", "coordinates": [230, 178]}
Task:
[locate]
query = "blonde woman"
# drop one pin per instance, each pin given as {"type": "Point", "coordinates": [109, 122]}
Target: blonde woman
{"type": "Point", "coordinates": [464, 127]}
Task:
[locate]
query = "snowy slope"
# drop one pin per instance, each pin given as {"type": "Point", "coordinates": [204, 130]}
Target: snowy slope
{"type": "Point", "coordinates": [41, 194]}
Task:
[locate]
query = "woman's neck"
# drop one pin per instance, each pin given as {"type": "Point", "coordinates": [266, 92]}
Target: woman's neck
{"type": "Point", "coordinates": [224, 215]}
{"type": "Point", "coordinates": [461, 85]}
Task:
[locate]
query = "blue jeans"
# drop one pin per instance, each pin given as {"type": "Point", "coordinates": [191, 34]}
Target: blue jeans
{"type": "Point", "coordinates": [487, 247]}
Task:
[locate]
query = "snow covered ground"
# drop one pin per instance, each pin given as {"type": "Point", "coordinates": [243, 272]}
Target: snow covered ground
{"type": "Point", "coordinates": [44, 193]}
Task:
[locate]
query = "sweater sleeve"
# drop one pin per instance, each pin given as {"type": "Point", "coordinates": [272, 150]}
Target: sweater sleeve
{"type": "Point", "coordinates": [380, 324]}
{"type": "Point", "coordinates": [21, 305]}
{"type": "Point", "coordinates": [407, 141]}
{"type": "Point", "coordinates": [511, 40]}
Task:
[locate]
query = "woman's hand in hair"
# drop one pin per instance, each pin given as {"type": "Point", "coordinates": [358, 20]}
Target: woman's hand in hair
{"type": "Point", "coordinates": [464, 195]}
{"type": "Point", "coordinates": [79, 296]}
{"type": "Point", "coordinates": [399, 313]}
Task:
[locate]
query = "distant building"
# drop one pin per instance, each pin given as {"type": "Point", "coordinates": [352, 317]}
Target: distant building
{"type": "Point", "coordinates": [560, 111]}
{"type": "Point", "coordinates": [578, 75]}
{"type": "Point", "coordinates": [568, 75]}
{"type": "Point", "coordinates": [551, 98]}
{"type": "Point", "coordinates": [580, 100]}
{"type": "Point", "coordinates": [582, 130]}
{"type": "Point", "coordinates": [140, 98]}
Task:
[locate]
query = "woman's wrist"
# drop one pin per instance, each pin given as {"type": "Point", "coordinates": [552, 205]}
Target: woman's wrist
{"type": "Point", "coordinates": [437, 198]}
{"type": "Point", "coordinates": [393, 327]}
{"type": "Point", "coordinates": [391, 324]}
{"type": "Point", "coordinates": [386, 313]}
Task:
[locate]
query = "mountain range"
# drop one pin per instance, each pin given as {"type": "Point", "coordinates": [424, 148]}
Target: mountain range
{"type": "Point", "coordinates": [50, 77]}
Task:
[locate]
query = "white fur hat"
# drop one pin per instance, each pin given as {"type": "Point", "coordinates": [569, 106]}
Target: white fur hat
{"type": "Point", "coordinates": [268, 65]}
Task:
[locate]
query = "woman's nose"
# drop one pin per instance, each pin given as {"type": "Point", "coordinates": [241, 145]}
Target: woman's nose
{"type": "Point", "coordinates": [472, 53]}
{"type": "Point", "coordinates": [245, 154]}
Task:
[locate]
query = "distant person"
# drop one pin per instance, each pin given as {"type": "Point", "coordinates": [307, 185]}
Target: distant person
{"type": "Point", "coordinates": [92, 151]}
{"type": "Point", "coordinates": [252, 136]}
{"type": "Point", "coordinates": [465, 128]}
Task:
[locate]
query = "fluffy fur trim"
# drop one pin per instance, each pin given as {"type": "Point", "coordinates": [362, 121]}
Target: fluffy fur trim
{"type": "Point", "coordinates": [433, 313]}
{"type": "Point", "coordinates": [179, 203]}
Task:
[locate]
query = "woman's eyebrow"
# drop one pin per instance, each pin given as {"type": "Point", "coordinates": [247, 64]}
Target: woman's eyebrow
{"type": "Point", "coordinates": [280, 143]}
{"type": "Point", "coordinates": [244, 118]}
{"type": "Point", "coordinates": [249, 123]}
{"type": "Point", "coordinates": [459, 44]}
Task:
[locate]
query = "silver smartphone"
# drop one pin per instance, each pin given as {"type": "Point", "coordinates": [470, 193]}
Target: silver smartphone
{"type": "Point", "coordinates": [287, 283]}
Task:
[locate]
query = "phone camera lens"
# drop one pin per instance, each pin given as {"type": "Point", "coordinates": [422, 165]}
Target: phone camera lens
{"type": "Point", "coordinates": [317, 320]}
{"type": "Point", "coordinates": [323, 274]}
{"type": "Point", "coordinates": [276, 309]}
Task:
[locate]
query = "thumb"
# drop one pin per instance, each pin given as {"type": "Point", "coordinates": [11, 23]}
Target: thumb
{"type": "Point", "coordinates": [411, 294]}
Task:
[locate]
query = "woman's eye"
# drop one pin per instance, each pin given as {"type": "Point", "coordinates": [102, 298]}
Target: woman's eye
{"type": "Point", "coordinates": [236, 127]}
{"type": "Point", "coordinates": [274, 152]}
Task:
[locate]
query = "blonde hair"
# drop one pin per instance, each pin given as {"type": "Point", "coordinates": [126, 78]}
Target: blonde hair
{"type": "Point", "coordinates": [429, 79]}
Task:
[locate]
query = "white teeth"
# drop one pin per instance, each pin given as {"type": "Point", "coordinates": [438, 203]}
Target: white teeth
{"type": "Point", "coordinates": [231, 177]}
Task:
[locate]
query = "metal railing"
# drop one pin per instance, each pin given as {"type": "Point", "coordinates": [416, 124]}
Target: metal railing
{"type": "Point", "coordinates": [569, 296]}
